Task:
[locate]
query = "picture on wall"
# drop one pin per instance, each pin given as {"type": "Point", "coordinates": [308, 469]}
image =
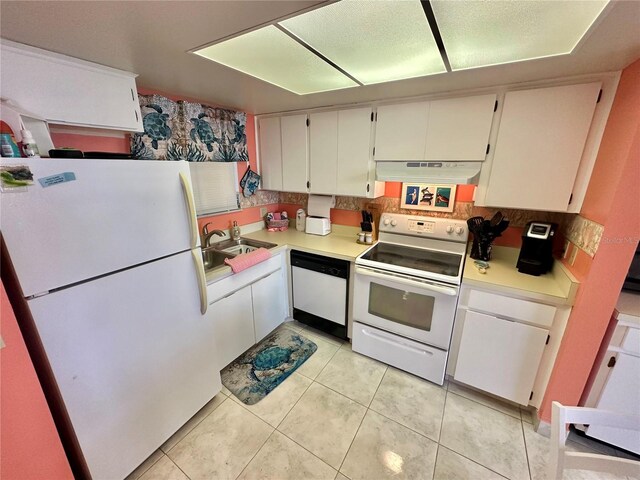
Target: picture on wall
{"type": "Point", "coordinates": [427, 196]}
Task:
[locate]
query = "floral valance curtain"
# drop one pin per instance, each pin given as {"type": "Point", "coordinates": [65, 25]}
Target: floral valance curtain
{"type": "Point", "coordinates": [189, 131]}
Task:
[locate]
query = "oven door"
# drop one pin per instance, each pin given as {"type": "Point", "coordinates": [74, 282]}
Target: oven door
{"type": "Point", "coordinates": [414, 308]}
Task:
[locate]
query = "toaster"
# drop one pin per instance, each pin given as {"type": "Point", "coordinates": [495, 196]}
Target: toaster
{"type": "Point", "coordinates": [318, 225]}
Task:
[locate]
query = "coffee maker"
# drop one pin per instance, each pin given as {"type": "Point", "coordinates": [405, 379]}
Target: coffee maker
{"type": "Point", "coordinates": [536, 253]}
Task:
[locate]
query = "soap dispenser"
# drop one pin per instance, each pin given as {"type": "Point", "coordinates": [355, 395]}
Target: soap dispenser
{"type": "Point", "coordinates": [235, 231]}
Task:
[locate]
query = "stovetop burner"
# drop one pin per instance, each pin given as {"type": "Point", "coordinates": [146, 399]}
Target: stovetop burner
{"type": "Point", "coordinates": [440, 263]}
{"type": "Point", "coordinates": [425, 247]}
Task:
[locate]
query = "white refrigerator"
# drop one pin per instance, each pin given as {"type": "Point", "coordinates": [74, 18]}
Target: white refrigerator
{"type": "Point", "coordinates": [107, 257]}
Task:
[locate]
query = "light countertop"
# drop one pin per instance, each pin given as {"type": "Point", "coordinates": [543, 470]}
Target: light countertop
{"type": "Point", "coordinates": [628, 307]}
{"type": "Point", "coordinates": [340, 243]}
{"type": "Point", "coordinates": [558, 286]}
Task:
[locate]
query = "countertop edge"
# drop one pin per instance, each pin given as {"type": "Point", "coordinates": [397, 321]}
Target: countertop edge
{"type": "Point", "coordinates": [519, 292]}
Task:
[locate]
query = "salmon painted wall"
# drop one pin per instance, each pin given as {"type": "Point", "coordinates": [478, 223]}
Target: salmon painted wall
{"type": "Point", "coordinates": [30, 447]}
{"type": "Point", "coordinates": [611, 200]}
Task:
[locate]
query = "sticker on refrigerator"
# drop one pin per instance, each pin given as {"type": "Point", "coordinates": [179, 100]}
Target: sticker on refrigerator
{"type": "Point", "coordinates": [15, 177]}
{"type": "Point", "coordinates": [57, 179]}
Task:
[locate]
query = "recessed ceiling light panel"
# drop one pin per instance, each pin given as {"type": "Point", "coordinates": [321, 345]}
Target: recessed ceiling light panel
{"type": "Point", "coordinates": [375, 41]}
{"type": "Point", "coordinates": [274, 57]}
{"type": "Point", "coordinates": [482, 33]}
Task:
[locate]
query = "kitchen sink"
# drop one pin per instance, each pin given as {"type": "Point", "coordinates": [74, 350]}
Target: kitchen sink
{"type": "Point", "coordinates": [215, 255]}
{"type": "Point", "coordinates": [214, 258]}
{"type": "Point", "coordinates": [242, 245]}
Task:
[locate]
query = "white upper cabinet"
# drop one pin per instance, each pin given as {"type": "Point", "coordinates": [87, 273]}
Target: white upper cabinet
{"type": "Point", "coordinates": [332, 153]}
{"type": "Point", "coordinates": [356, 169]}
{"type": "Point", "coordinates": [323, 152]}
{"type": "Point", "coordinates": [294, 132]}
{"type": "Point", "coordinates": [65, 90]}
{"type": "Point", "coordinates": [451, 129]}
{"type": "Point", "coordinates": [540, 144]}
{"type": "Point", "coordinates": [459, 128]}
{"type": "Point", "coordinates": [270, 144]}
{"type": "Point", "coordinates": [401, 131]}
{"type": "Point", "coordinates": [340, 153]}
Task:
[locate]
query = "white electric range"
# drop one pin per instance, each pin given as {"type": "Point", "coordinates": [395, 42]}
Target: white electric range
{"type": "Point", "coordinates": [406, 292]}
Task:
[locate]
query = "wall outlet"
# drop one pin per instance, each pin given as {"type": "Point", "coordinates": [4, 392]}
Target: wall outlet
{"type": "Point", "coordinates": [263, 211]}
{"type": "Point", "coordinates": [565, 252]}
{"type": "Point", "coordinates": [574, 254]}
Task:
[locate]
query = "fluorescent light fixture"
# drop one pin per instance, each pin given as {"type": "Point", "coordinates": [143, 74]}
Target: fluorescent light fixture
{"type": "Point", "coordinates": [274, 57]}
{"type": "Point", "coordinates": [374, 41]}
{"type": "Point", "coordinates": [363, 42]}
{"type": "Point", "coordinates": [483, 33]}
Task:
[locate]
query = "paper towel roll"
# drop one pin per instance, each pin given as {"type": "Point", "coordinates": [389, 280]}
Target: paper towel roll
{"type": "Point", "coordinates": [320, 205]}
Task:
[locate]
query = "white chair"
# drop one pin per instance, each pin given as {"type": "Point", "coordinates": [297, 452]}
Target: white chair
{"type": "Point", "coordinates": [562, 460]}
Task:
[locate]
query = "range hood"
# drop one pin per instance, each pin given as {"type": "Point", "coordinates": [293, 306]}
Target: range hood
{"type": "Point", "coordinates": [460, 173]}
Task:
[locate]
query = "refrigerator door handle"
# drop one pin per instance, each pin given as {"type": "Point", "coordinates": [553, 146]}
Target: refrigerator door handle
{"type": "Point", "coordinates": [202, 279]}
{"type": "Point", "coordinates": [191, 208]}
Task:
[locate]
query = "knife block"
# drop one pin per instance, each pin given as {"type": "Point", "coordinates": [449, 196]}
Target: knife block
{"type": "Point", "coordinates": [376, 212]}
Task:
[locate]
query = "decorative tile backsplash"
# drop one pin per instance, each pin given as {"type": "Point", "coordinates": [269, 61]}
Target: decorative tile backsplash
{"type": "Point", "coordinates": [580, 231]}
{"type": "Point", "coordinates": [584, 233]}
{"type": "Point", "coordinates": [261, 197]}
{"type": "Point", "coordinates": [461, 211]}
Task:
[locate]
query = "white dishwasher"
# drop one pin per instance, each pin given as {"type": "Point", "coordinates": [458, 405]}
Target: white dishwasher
{"type": "Point", "coordinates": [320, 289]}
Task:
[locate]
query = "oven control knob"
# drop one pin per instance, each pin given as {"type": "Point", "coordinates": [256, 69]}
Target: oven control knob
{"type": "Point", "coordinates": [449, 229]}
{"type": "Point", "coordinates": [459, 230]}
{"type": "Point", "coordinates": [385, 221]}
{"type": "Point", "coordinates": [394, 223]}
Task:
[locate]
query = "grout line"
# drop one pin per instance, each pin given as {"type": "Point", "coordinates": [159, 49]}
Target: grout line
{"type": "Point", "coordinates": [403, 425]}
{"type": "Point", "coordinates": [353, 439]}
{"type": "Point", "coordinates": [328, 362]}
{"type": "Point", "coordinates": [363, 417]}
{"type": "Point", "coordinates": [526, 450]}
{"type": "Point", "coordinates": [446, 394]}
{"type": "Point", "coordinates": [178, 466]}
{"type": "Point", "coordinates": [191, 429]}
{"type": "Point", "coordinates": [472, 460]}
{"type": "Point", "coordinates": [307, 450]}
{"type": "Point", "coordinates": [464, 456]}
{"type": "Point", "coordinates": [435, 462]}
{"type": "Point", "coordinates": [488, 406]}
{"type": "Point", "coordinates": [257, 452]}
{"type": "Point", "coordinates": [294, 405]}
{"type": "Point", "coordinates": [149, 467]}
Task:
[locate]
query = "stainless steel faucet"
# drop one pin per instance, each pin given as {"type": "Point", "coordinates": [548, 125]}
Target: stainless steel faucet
{"type": "Point", "coordinates": [206, 234]}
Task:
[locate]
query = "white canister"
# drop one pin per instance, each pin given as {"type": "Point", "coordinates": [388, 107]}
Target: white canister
{"type": "Point", "coordinates": [301, 220]}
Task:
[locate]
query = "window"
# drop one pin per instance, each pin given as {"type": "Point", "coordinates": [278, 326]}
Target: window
{"type": "Point", "coordinates": [215, 187]}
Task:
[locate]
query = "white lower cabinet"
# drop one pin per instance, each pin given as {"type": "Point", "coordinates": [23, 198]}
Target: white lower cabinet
{"type": "Point", "coordinates": [499, 356]}
{"type": "Point", "coordinates": [268, 303]}
{"type": "Point", "coordinates": [234, 324]}
{"type": "Point", "coordinates": [247, 306]}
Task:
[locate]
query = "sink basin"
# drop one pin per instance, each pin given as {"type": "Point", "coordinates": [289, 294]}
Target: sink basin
{"type": "Point", "coordinates": [239, 249]}
{"type": "Point", "coordinates": [242, 245]}
{"type": "Point", "coordinates": [214, 255]}
{"type": "Point", "coordinates": [214, 258]}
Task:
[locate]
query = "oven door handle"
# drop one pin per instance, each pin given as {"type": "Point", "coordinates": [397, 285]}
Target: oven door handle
{"type": "Point", "coordinates": [394, 277]}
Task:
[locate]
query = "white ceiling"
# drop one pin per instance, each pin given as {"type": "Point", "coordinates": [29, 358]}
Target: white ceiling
{"type": "Point", "coordinates": [152, 39]}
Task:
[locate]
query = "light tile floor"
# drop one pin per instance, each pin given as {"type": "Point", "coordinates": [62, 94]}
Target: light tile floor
{"type": "Point", "coordinates": [345, 416]}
